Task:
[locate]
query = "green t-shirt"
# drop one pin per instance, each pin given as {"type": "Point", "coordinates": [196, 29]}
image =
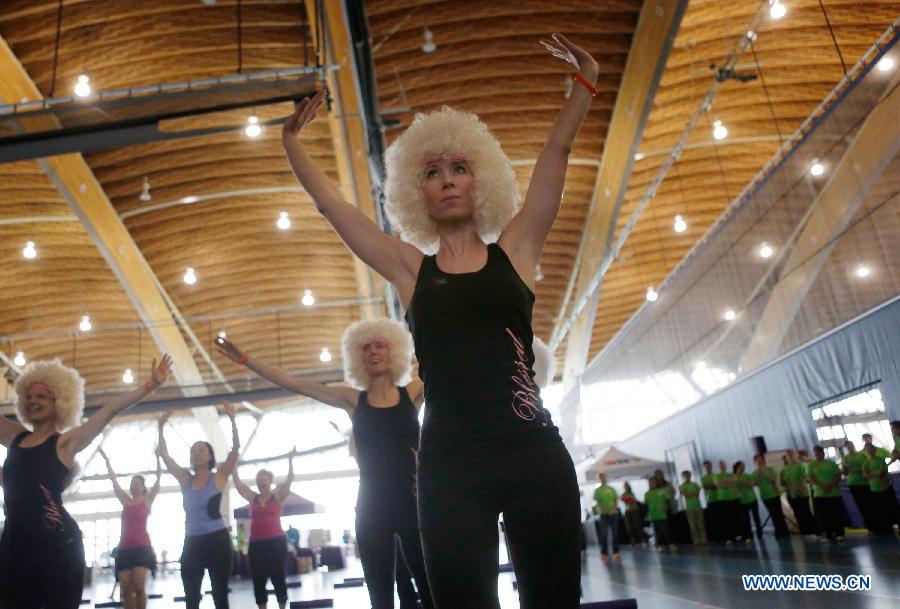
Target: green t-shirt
{"type": "Point", "coordinates": [828, 473]}
{"type": "Point", "coordinates": [606, 498]}
{"type": "Point", "coordinates": [691, 503]}
{"type": "Point", "coordinates": [853, 465]}
{"type": "Point", "coordinates": [881, 453]}
{"type": "Point", "coordinates": [727, 485]}
{"type": "Point", "coordinates": [767, 480]}
{"type": "Point", "coordinates": [747, 482]}
{"type": "Point", "coordinates": [709, 488]}
{"type": "Point", "coordinates": [794, 476]}
{"type": "Point", "coordinates": [875, 465]}
{"type": "Point", "coordinates": [657, 500]}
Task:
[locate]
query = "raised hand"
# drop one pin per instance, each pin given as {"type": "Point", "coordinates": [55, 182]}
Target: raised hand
{"type": "Point", "coordinates": [563, 48]}
{"type": "Point", "coordinates": [165, 417]}
{"type": "Point", "coordinates": [304, 114]}
{"type": "Point", "coordinates": [230, 409]}
{"type": "Point", "coordinates": [159, 373]}
{"type": "Point", "coordinates": [228, 349]}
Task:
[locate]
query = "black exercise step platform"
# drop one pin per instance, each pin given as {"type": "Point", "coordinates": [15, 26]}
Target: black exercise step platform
{"type": "Point", "coordinates": [506, 568]}
{"type": "Point", "coordinates": [316, 604]}
{"type": "Point", "coordinates": [150, 597]}
{"type": "Point", "coordinates": [348, 584]}
{"type": "Point", "coordinates": [108, 604]}
{"type": "Point", "coordinates": [294, 584]}
{"type": "Point", "coordinates": [209, 592]}
{"type": "Point", "coordinates": [623, 603]}
{"type": "Point", "coordinates": [354, 579]}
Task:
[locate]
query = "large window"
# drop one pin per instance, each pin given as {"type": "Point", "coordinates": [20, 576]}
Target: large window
{"type": "Point", "coordinates": [850, 417]}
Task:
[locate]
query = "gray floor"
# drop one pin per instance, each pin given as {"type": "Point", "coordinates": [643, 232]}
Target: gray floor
{"type": "Point", "coordinates": [689, 579]}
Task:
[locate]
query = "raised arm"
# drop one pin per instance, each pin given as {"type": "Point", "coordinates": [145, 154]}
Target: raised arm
{"type": "Point", "coordinates": [230, 463]}
{"type": "Point", "coordinates": [523, 240]}
{"type": "Point", "coordinates": [9, 429]}
{"type": "Point", "coordinates": [339, 397]}
{"type": "Point", "coordinates": [416, 392]}
{"type": "Point", "coordinates": [284, 489]}
{"type": "Point", "coordinates": [162, 450]}
{"type": "Point", "coordinates": [154, 490]}
{"type": "Point", "coordinates": [243, 490]}
{"type": "Point", "coordinates": [396, 261]}
{"type": "Point", "coordinates": [121, 495]}
{"type": "Point", "coordinates": [75, 440]}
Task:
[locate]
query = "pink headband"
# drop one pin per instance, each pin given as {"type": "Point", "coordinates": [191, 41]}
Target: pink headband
{"type": "Point", "coordinates": [443, 156]}
{"type": "Point", "coordinates": [40, 384]}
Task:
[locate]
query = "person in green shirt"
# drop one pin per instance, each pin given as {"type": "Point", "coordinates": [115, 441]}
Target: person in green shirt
{"type": "Point", "coordinates": [729, 503]}
{"type": "Point", "coordinates": [852, 467]}
{"type": "Point", "coordinates": [767, 481]}
{"type": "Point", "coordinates": [694, 511]}
{"type": "Point", "coordinates": [634, 523]}
{"type": "Point", "coordinates": [884, 499]}
{"type": "Point", "coordinates": [749, 504]}
{"type": "Point", "coordinates": [708, 481]}
{"type": "Point", "coordinates": [607, 500]}
{"type": "Point", "coordinates": [825, 476]}
{"type": "Point", "coordinates": [794, 478]}
{"type": "Point", "coordinates": [657, 500]}
{"type": "Point", "coordinates": [895, 431]}
{"type": "Point", "coordinates": [881, 453]}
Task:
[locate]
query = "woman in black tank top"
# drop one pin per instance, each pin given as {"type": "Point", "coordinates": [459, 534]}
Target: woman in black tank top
{"type": "Point", "coordinates": [41, 552]}
{"type": "Point", "coordinates": [383, 405]}
{"type": "Point", "coordinates": [488, 445]}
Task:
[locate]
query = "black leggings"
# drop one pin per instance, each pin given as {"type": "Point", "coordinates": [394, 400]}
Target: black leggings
{"type": "Point", "coordinates": [206, 552]}
{"type": "Point", "coordinates": [267, 561]}
{"type": "Point", "coordinates": [750, 509]}
{"type": "Point", "coordinates": [390, 546]}
{"type": "Point", "coordinates": [40, 575]}
{"type": "Point", "coordinates": [459, 504]}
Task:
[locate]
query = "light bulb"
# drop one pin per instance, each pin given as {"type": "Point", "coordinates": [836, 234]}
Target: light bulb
{"type": "Point", "coordinates": [719, 130]}
{"type": "Point", "coordinates": [428, 46]}
{"type": "Point", "coordinates": [751, 35]}
{"type": "Point", "coordinates": [679, 226]}
{"type": "Point", "coordinates": [252, 129]}
{"type": "Point", "coordinates": [651, 294]}
{"type": "Point", "coordinates": [85, 325]}
{"type": "Point", "coordinates": [29, 250]}
{"type": "Point", "coordinates": [128, 377]}
{"type": "Point", "coordinates": [885, 64]}
{"type": "Point", "coordinates": [83, 86]}
{"type": "Point", "coordinates": [308, 299]}
{"type": "Point", "coordinates": [817, 169]}
{"type": "Point", "coordinates": [729, 315]}
{"type": "Point", "coordinates": [190, 199]}
{"type": "Point", "coordinates": [190, 277]}
{"type": "Point", "coordinates": [222, 334]}
{"type": "Point", "coordinates": [19, 359]}
{"type": "Point", "coordinates": [862, 271]}
{"type": "Point", "coordinates": [638, 156]}
{"type": "Point", "coordinates": [778, 10]}
{"type": "Point", "coordinates": [145, 193]}
{"type": "Point", "coordinates": [765, 250]}
{"type": "Point", "coordinates": [283, 222]}
{"type": "Point", "coordinates": [325, 355]}
{"type": "Point", "coordinates": [538, 273]}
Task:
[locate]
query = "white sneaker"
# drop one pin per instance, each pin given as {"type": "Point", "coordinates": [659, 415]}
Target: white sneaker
{"type": "Point", "coordinates": [823, 539]}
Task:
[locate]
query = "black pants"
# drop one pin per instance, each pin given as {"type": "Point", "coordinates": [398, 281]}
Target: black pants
{"type": "Point", "coordinates": [661, 533]}
{"type": "Point", "coordinates": [862, 497]}
{"type": "Point", "coordinates": [390, 547]}
{"type": "Point", "coordinates": [730, 516]}
{"type": "Point", "coordinates": [459, 505]}
{"type": "Point", "coordinates": [830, 515]}
{"type": "Point", "coordinates": [38, 573]}
{"type": "Point", "coordinates": [884, 511]}
{"type": "Point", "coordinates": [750, 509]}
{"type": "Point", "coordinates": [777, 514]}
{"type": "Point", "coordinates": [711, 521]}
{"type": "Point", "coordinates": [805, 521]}
{"type": "Point", "coordinates": [267, 561]}
{"type": "Point", "coordinates": [604, 525]}
{"type": "Point", "coordinates": [210, 552]}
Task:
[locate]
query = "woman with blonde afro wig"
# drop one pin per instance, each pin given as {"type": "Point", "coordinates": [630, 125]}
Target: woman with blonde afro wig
{"type": "Point", "coordinates": [464, 271]}
{"type": "Point", "coordinates": [383, 405]}
{"type": "Point", "coordinates": [41, 553]}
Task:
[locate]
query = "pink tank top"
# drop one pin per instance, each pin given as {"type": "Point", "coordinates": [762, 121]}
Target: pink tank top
{"type": "Point", "coordinates": [134, 526]}
{"type": "Point", "coordinates": [265, 519]}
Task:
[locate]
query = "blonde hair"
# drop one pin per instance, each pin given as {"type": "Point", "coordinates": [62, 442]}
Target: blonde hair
{"type": "Point", "coordinates": [359, 333]}
{"type": "Point", "coordinates": [544, 363]}
{"type": "Point", "coordinates": [65, 384]}
{"type": "Point", "coordinates": [449, 132]}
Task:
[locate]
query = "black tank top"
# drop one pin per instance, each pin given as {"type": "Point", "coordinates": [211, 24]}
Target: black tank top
{"type": "Point", "coordinates": [33, 481]}
{"type": "Point", "coordinates": [387, 440]}
{"type": "Point", "coordinates": [472, 333]}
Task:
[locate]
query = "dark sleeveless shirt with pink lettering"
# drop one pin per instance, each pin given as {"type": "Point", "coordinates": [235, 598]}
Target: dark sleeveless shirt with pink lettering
{"type": "Point", "coordinates": [473, 336]}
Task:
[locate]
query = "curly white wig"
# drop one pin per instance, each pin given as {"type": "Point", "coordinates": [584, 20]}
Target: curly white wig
{"type": "Point", "coordinates": [544, 363]}
{"type": "Point", "coordinates": [359, 333]}
{"type": "Point", "coordinates": [448, 132]}
{"type": "Point", "coordinates": [66, 385]}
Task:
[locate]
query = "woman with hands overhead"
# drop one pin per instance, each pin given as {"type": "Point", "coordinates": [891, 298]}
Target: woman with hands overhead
{"type": "Point", "coordinates": [268, 544]}
{"type": "Point", "coordinates": [135, 557]}
{"type": "Point", "coordinates": [41, 551]}
{"type": "Point", "coordinates": [207, 545]}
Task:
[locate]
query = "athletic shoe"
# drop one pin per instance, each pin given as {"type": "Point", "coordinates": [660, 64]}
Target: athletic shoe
{"type": "Point", "coordinates": [823, 539]}
{"type": "Point", "coordinates": [748, 540]}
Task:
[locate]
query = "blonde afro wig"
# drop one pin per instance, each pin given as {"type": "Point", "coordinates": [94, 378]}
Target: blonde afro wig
{"type": "Point", "coordinates": [66, 385]}
{"type": "Point", "coordinates": [359, 333]}
{"type": "Point", "coordinates": [544, 363]}
{"type": "Point", "coordinates": [452, 133]}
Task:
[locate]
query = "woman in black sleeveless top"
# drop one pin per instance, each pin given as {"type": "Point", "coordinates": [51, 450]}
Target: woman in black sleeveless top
{"type": "Point", "coordinates": [488, 445]}
{"type": "Point", "coordinates": [376, 358]}
{"type": "Point", "coordinates": [41, 552]}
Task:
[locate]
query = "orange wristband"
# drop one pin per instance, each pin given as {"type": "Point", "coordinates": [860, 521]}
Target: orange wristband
{"type": "Point", "coordinates": [591, 88]}
{"type": "Point", "coordinates": [243, 359]}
